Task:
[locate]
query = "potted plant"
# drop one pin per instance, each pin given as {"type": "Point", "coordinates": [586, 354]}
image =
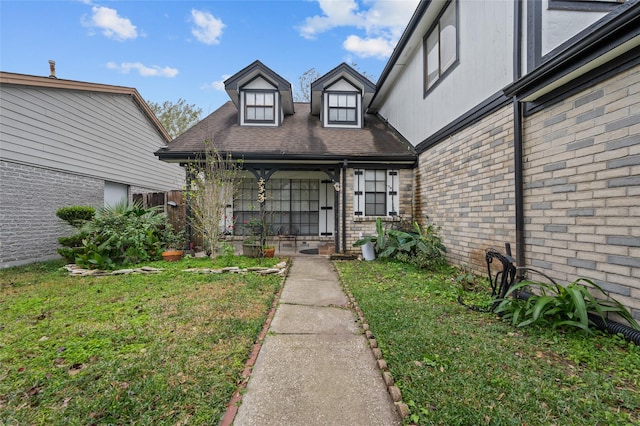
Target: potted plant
{"type": "Point", "coordinates": [251, 246]}
{"type": "Point", "coordinates": [268, 251]}
{"type": "Point", "coordinates": [174, 243]}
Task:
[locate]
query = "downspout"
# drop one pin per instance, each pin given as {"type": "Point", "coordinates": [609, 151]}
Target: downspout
{"type": "Point", "coordinates": [518, 136]}
{"type": "Point", "coordinates": [344, 205]}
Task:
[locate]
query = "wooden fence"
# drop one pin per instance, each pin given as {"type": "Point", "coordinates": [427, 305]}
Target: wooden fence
{"type": "Point", "coordinates": [173, 202]}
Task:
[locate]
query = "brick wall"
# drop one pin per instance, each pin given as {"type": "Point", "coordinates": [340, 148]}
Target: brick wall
{"type": "Point", "coordinates": [465, 185]}
{"type": "Point", "coordinates": [582, 187]}
{"type": "Point", "coordinates": [367, 225]}
{"type": "Point", "coordinates": [29, 198]}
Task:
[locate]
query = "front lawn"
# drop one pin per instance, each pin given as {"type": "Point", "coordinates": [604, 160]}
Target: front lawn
{"type": "Point", "coordinates": [134, 349]}
{"type": "Point", "coordinates": [459, 367]}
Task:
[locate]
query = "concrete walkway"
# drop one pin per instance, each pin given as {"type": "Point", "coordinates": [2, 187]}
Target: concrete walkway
{"type": "Point", "coordinates": [315, 366]}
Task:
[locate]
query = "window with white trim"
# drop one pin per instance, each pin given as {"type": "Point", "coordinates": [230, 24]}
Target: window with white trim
{"type": "Point", "coordinates": [259, 107]}
{"type": "Point", "coordinates": [440, 46]}
{"type": "Point", "coordinates": [375, 192]}
{"type": "Point", "coordinates": [343, 108]}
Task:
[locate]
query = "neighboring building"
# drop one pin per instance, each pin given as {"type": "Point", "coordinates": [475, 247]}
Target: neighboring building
{"type": "Point", "coordinates": [502, 122]}
{"type": "Point", "coordinates": [68, 143]}
{"type": "Point", "coordinates": [525, 116]}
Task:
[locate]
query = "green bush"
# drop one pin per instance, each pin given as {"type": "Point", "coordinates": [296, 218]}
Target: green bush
{"type": "Point", "coordinates": [76, 215]}
{"type": "Point", "coordinates": [74, 240]}
{"type": "Point", "coordinates": [560, 306]}
{"type": "Point", "coordinates": [122, 235]}
{"type": "Point", "coordinates": [422, 247]}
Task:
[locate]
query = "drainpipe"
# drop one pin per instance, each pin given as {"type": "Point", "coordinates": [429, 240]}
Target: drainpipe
{"type": "Point", "coordinates": [518, 135]}
{"type": "Point", "coordinates": [519, 180]}
{"type": "Point", "coordinates": [344, 205]}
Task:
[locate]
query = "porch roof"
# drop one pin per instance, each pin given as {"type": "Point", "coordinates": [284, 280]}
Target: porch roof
{"type": "Point", "coordinates": [301, 137]}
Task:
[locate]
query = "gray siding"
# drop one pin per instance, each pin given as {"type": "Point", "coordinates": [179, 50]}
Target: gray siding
{"type": "Point", "coordinates": [100, 135]}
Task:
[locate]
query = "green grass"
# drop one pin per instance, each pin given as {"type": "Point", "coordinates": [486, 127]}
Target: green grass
{"type": "Point", "coordinates": [459, 367]}
{"type": "Point", "coordinates": [143, 349]}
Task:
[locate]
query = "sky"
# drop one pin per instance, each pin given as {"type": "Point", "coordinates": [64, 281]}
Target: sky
{"type": "Point", "coordinates": [171, 50]}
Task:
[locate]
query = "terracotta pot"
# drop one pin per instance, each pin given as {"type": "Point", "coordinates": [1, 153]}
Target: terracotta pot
{"type": "Point", "coordinates": [171, 255]}
{"type": "Point", "coordinates": [269, 252]}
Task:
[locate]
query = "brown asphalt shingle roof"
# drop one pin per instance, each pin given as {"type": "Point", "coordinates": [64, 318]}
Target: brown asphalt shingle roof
{"type": "Point", "coordinates": [301, 136]}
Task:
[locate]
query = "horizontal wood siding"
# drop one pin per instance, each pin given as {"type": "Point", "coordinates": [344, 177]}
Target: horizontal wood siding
{"type": "Point", "coordinates": [101, 135]}
{"type": "Point", "coordinates": [485, 34]}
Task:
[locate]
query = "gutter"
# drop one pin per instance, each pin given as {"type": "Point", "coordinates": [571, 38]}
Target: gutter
{"type": "Point", "coordinates": [408, 160]}
{"type": "Point", "coordinates": [402, 43]}
{"type": "Point", "coordinates": [620, 26]}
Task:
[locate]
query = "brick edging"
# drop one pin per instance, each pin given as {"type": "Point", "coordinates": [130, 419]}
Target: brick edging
{"type": "Point", "coordinates": [236, 398]}
{"type": "Point", "coordinates": [394, 391]}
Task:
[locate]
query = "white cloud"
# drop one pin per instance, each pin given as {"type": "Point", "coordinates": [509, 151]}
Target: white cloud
{"type": "Point", "coordinates": [143, 70]}
{"type": "Point", "coordinates": [381, 23]}
{"type": "Point", "coordinates": [112, 25]}
{"type": "Point", "coordinates": [207, 28]}
{"type": "Point", "coordinates": [369, 47]}
{"type": "Point", "coordinates": [216, 85]}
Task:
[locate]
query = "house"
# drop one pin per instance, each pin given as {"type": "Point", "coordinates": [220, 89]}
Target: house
{"type": "Point", "coordinates": [65, 143]}
{"type": "Point", "coordinates": [502, 122]}
{"type": "Point", "coordinates": [525, 117]}
{"type": "Point", "coordinates": [310, 155]}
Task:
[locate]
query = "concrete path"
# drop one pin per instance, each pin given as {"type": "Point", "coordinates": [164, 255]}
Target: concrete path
{"type": "Point", "coordinates": [315, 366]}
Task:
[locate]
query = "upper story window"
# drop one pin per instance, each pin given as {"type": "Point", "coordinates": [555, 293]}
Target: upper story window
{"type": "Point", "coordinates": [343, 108]}
{"type": "Point", "coordinates": [375, 192]}
{"type": "Point", "coordinates": [440, 46]}
{"type": "Point", "coordinates": [259, 107]}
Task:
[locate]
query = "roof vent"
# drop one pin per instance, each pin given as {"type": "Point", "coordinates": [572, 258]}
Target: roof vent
{"type": "Point", "coordinates": [52, 68]}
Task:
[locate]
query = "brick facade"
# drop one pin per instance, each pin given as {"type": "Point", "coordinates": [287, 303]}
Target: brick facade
{"type": "Point", "coordinates": [357, 226]}
{"type": "Point", "coordinates": [582, 187]}
{"type": "Point", "coordinates": [29, 198]}
{"type": "Point", "coordinates": [465, 185]}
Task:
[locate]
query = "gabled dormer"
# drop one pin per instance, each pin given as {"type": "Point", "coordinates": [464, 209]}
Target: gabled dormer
{"type": "Point", "coordinates": [340, 97]}
{"type": "Point", "coordinates": [262, 97]}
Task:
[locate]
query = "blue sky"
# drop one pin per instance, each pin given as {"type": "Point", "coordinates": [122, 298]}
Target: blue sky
{"type": "Point", "coordinates": [186, 49]}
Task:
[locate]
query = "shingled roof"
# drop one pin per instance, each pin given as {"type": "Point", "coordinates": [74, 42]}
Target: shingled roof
{"type": "Point", "coordinates": [301, 137]}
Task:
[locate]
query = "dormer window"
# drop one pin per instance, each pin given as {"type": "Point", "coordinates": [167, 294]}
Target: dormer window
{"type": "Point", "coordinates": [342, 105]}
{"type": "Point", "coordinates": [259, 107]}
{"type": "Point", "coordinates": [343, 108]}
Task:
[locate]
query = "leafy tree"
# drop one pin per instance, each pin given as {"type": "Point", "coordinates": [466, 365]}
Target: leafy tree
{"type": "Point", "coordinates": [176, 117]}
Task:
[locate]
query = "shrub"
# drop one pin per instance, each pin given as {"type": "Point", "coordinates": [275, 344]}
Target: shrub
{"type": "Point", "coordinates": [121, 235]}
{"type": "Point", "coordinates": [422, 247]}
{"type": "Point", "coordinates": [76, 215]}
{"type": "Point", "coordinates": [560, 306]}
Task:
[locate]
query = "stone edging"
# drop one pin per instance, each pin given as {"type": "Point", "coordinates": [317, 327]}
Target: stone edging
{"type": "Point", "coordinates": [77, 271]}
{"type": "Point", "coordinates": [394, 391]}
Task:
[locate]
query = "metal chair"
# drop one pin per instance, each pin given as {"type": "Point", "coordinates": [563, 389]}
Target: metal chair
{"type": "Point", "coordinates": [288, 233]}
